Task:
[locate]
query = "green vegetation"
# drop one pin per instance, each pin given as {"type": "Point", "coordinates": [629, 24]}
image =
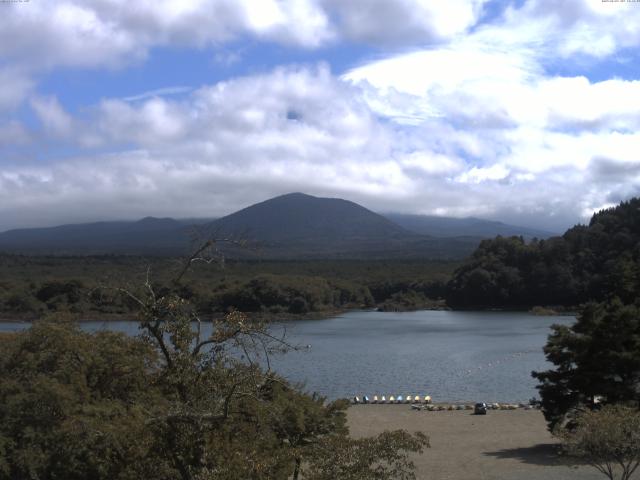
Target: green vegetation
{"type": "Point", "coordinates": [74, 405]}
{"type": "Point", "coordinates": [608, 439]}
{"type": "Point", "coordinates": [597, 360]}
{"type": "Point", "coordinates": [410, 300]}
{"type": "Point", "coordinates": [588, 263]}
{"type": "Point", "coordinates": [594, 268]}
{"type": "Point", "coordinates": [34, 286]}
{"type": "Point", "coordinates": [172, 403]}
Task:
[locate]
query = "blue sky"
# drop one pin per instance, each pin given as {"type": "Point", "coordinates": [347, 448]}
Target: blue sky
{"type": "Point", "coordinates": [524, 111]}
{"type": "Point", "coordinates": [191, 68]}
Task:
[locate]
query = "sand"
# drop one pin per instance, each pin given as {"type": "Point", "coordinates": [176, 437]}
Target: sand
{"type": "Point", "coordinates": [500, 445]}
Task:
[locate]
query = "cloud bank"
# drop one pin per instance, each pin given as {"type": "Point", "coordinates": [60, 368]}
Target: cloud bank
{"type": "Point", "coordinates": [472, 117]}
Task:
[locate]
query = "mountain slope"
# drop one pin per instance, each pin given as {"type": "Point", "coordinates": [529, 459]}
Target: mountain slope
{"type": "Point", "coordinates": [457, 227]}
{"type": "Point", "coordinates": [298, 217]}
{"type": "Point", "coordinates": [290, 226]}
{"type": "Point", "coordinates": [149, 235]}
{"type": "Point", "coordinates": [302, 226]}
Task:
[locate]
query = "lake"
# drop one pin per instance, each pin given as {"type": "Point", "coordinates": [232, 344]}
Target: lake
{"type": "Point", "coordinates": [452, 356]}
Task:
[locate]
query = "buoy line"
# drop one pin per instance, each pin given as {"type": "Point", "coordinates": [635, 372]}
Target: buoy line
{"type": "Point", "coordinates": [469, 371]}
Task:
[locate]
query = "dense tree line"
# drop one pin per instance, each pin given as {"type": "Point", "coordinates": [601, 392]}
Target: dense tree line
{"type": "Point", "coordinates": [292, 294]}
{"type": "Point", "coordinates": [594, 262]}
{"type": "Point", "coordinates": [596, 360]}
{"type": "Point", "coordinates": [271, 294]}
{"type": "Point", "coordinates": [35, 286]}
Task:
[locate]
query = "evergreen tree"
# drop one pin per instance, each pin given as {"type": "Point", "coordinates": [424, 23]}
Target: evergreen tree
{"type": "Point", "coordinates": [597, 359]}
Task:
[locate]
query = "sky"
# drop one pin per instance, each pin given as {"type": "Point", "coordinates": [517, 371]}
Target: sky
{"type": "Point", "coordinates": [525, 111]}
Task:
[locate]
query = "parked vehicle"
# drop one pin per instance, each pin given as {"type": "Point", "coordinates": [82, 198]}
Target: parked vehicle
{"type": "Point", "coordinates": [480, 409]}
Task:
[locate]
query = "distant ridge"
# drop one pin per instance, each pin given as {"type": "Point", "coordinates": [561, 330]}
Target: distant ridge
{"type": "Point", "coordinates": [470, 226]}
{"type": "Point", "coordinates": [294, 226]}
{"type": "Point", "coordinates": [149, 235]}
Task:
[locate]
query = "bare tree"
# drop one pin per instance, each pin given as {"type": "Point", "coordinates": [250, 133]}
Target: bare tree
{"type": "Point", "coordinates": [212, 370]}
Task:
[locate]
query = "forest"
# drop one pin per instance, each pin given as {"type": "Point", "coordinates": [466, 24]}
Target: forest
{"type": "Point", "coordinates": [593, 262]}
{"type": "Point", "coordinates": [88, 286]}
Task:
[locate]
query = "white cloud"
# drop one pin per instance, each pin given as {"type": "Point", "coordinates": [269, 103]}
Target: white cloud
{"type": "Point", "coordinates": [470, 125]}
{"type": "Point", "coordinates": [575, 101]}
{"type": "Point", "coordinates": [300, 22]}
{"type": "Point", "coordinates": [467, 78]}
{"type": "Point", "coordinates": [40, 35]}
{"type": "Point", "coordinates": [531, 141]}
{"type": "Point", "coordinates": [385, 22]}
{"type": "Point", "coordinates": [113, 33]}
{"type": "Point", "coordinates": [232, 137]}
{"type": "Point", "coordinates": [53, 117]}
{"type": "Point", "coordinates": [428, 163]}
{"type": "Point", "coordinates": [483, 174]}
{"type": "Point", "coordinates": [15, 86]}
{"type": "Point", "coordinates": [418, 72]}
{"type": "Point", "coordinates": [158, 92]}
{"type": "Point", "coordinates": [227, 145]}
{"type": "Point", "coordinates": [155, 121]}
{"type": "Point", "coordinates": [589, 27]}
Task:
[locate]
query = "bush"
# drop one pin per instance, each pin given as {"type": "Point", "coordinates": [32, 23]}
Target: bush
{"type": "Point", "coordinates": [23, 303]}
{"type": "Point", "coordinates": [608, 439]}
{"type": "Point", "coordinates": [299, 305]}
{"type": "Point", "coordinates": [71, 291]}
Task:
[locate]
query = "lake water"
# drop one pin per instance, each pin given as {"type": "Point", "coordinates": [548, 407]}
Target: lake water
{"type": "Point", "coordinates": [452, 356]}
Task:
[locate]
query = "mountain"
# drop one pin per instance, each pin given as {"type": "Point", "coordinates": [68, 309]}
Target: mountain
{"type": "Point", "coordinates": [149, 235]}
{"type": "Point", "coordinates": [297, 217]}
{"type": "Point", "coordinates": [302, 226]}
{"type": "Point", "coordinates": [290, 226]}
{"type": "Point", "coordinates": [458, 227]}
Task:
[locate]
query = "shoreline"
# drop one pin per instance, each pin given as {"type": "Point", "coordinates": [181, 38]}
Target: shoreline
{"type": "Point", "coordinates": [287, 317]}
{"type": "Point", "coordinates": [106, 317]}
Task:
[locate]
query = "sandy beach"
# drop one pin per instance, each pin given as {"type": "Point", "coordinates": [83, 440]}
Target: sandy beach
{"type": "Point", "coordinates": [502, 445]}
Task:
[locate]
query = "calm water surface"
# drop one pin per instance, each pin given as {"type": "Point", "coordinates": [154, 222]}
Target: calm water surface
{"type": "Point", "coordinates": [452, 356]}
